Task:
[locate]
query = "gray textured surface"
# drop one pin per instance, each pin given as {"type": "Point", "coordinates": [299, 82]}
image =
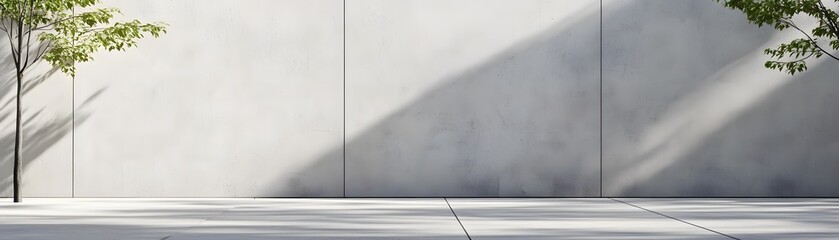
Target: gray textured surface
{"type": "Point", "coordinates": [47, 120]}
{"type": "Point", "coordinates": [567, 218]}
{"type": "Point", "coordinates": [443, 98]}
{"type": "Point", "coordinates": [446, 100]}
{"type": "Point", "coordinates": [788, 218]}
{"type": "Point", "coordinates": [236, 100]}
{"type": "Point", "coordinates": [689, 110]}
{"type": "Point", "coordinates": [432, 218]}
{"type": "Point", "coordinates": [331, 219]}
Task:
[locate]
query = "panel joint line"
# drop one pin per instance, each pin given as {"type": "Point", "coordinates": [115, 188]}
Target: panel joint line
{"type": "Point", "coordinates": [344, 127]}
{"type": "Point", "coordinates": [601, 98]}
{"type": "Point", "coordinates": [458, 219]}
{"type": "Point", "coordinates": [680, 220]}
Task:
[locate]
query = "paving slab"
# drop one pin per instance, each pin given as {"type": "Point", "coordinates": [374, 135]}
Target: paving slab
{"type": "Point", "coordinates": [748, 218]}
{"type": "Point", "coordinates": [93, 219]}
{"type": "Point", "coordinates": [331, 219]}
{"type": "Point", "coordinates": [552, 218]}
{"type": "Point", "coordinates": [489, 218]}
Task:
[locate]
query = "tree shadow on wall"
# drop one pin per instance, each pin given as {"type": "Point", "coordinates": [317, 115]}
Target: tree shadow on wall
{"type": "Point", "coordinates": [42, 130]}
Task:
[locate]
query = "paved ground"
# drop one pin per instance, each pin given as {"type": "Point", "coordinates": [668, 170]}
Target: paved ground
{"type": "Point", "coordinates": [431, 218]}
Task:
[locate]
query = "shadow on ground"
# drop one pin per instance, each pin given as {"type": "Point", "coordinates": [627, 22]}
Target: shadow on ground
{"type": "Point", "coordinates": [600, 218]}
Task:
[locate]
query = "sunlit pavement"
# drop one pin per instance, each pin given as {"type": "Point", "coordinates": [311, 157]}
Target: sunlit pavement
{"type": "Point", "coordinates": [419, 218]}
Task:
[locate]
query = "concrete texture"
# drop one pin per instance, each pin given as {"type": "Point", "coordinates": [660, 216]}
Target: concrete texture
{"type": "Point", "coordinates": [754, 218]}
{"type": "Point", "coordinates": [331, 219]}
{"type": "Point", "coordinates": [135, 219]}
{"type": "Point", "coordinates": [442, 98]}
{"type": "Point", "coordinates": [236, 100]}
{"type": "Point", "coordinates": [447, 100]}
{"type": "Point", "coordinates": [58, 218]}
{"type": "Point", "coordinates": [689, 110]}
{"type": "Point", "coordinates": [548, 218]}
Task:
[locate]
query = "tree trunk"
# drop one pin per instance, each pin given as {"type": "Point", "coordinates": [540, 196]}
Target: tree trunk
{"type": "Point", "coordinates": [18, 124]}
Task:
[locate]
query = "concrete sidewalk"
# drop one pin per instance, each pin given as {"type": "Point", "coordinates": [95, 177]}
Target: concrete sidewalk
{"type": "Point", "coordinates": [420, 218]}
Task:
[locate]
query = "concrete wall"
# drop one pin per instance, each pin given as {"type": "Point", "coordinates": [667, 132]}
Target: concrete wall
{"type": "Point", "coordinates": [688, 109]}
{"type": "Point", "coordinates": [282, 98]}
{"type": "Point", "coordinates": [443, 100]}
{"type": "Point", "coordinates": [237, 100]}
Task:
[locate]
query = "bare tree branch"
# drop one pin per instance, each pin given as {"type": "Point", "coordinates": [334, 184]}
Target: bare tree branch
{"type": "Point", "coordinates": [29, 32]}
{"type": "Point", "coordinates": [9, 35]}
{"type": "Point", "coordinates": [42, 52]}
{"type": "Point", "coordinates": [3, 25]}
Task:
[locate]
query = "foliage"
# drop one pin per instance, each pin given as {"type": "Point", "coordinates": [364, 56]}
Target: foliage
{"type": "Point", "coordinates": [67, 37]}
{"type": "Point", "coordinates": [792, 56]}
{"type": "Point", "coordinates": [63, 37]}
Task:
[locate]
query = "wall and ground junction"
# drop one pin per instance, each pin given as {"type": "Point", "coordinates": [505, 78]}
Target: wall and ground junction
{"type": "Point", "coordinates": [419, 98]}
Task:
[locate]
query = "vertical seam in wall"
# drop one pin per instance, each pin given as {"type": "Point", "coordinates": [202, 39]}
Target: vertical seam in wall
{"type": "Point", "coordinates": [73, 138]}
{"type": "Point", "coordinates": [344, 128]}
{"type": "Point", "coordinates": [601, 98]}
{"type": "Point", "coordinates": [73, 129]}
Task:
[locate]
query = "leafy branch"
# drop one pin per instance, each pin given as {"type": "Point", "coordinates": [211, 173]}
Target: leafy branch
{"type": "Point", "coordinates": [63, 38]}
{"type": "Point", "coordinates": [792, 56]}
{"type": "Point", "coordinates": [67, 37]}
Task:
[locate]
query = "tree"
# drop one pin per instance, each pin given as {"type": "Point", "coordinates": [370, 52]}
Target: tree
{"type": "Point", "coordinates": [792, 56]}
{"type": "Point", "coordinates": [62, 38]}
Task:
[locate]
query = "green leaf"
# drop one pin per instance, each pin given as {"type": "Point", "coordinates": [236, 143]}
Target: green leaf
{"type": "Point", "coordinates": [67, 37]}
{"type": "Point", "coordinates": [791, 57]}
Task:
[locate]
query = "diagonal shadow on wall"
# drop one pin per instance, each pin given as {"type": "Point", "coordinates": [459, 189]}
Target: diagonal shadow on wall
{"type": "Point", "coordinates": [741, 131]}
{"type": "Point", "coordinates": [526, 122]}
{"type": "Point", "coordinates": [523, 122]}
{"type": "Point", "coordinates": [474, 134]}
{"type": "Point", "coordinates": [785, 145]}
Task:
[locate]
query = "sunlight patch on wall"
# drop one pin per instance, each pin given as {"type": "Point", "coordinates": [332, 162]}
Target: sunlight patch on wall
{"type": "Point", "coordinates": [433, 44]}
{"type": "Point", "coordinates": [683, 128]}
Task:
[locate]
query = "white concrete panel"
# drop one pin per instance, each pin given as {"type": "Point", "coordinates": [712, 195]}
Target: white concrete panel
{"type": "Point", "coordinates": [472, 98]}
{"type": "Point", "coordinates": [47, 120]}
{"type": "Point", "coordinates": [93, 219]}
{"type": "Point", "coordinates": [101, 219]}
{"type": "Point", "coordinates": [689, 109]}
{"type": "Point", "coordinates": [239, 99]}
{"type": "Point", "coordinates": [208, 219]}
{"type": "Point", "coordinates": [568, 219]}
{"type": "Point", "coordinates": [127, 218]}
{"type": "Point", "coordinates": [351, 219]}
{"type": "Point", "coordinates": [754, 218]}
